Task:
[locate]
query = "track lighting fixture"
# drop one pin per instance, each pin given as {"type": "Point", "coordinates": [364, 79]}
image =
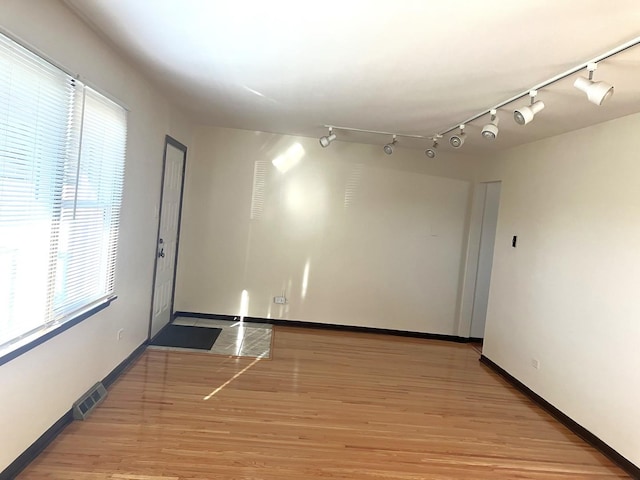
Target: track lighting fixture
{"type": "Point", "coordinates": [431, 152]}
{"type": "Point", "coordinates": [524, 115]}
{"type": "Point", "coordinates": [388, 148]}
{"type": "Point", "coordinates": [457, 141]}
{"type": "Point", "coordinates": [327, 139]}
{"type": "Point", "coordinates": [490, 130]}
{"type": "Point", "coordinates": [597, 92]}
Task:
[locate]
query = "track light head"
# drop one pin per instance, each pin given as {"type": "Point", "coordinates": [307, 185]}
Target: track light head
{"type": "Point", "coordinates": [490, 130]}
{"type": "Point", "coordinates": [457, 141]}
{"type": "Point", "coordinates": [327, 139]}
{"type": "Point", "coordinates": [597, 92]}
{"type": "Point", "coordinates": [524, 115]}
{"type": "Point", "coordinates": [388, 148]}
{"type": "Point", "coordinates": [431, 152]}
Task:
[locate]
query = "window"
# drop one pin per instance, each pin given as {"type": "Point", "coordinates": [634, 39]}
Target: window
{"type": "Point", "coordinates": [62, 151]}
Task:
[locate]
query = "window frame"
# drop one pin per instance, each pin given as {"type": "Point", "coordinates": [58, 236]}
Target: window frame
{"type": "Point", "coordinates": [30, 340]}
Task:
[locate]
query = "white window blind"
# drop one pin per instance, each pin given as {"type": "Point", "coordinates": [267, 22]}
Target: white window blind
{"type": "Point", "coordinates": [62, 152]}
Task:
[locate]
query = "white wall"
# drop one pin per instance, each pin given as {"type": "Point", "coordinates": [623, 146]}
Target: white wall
{"type": "Point", "coordinates": [381, 238]}
{"type": "Point", "coordinates": [40, 386]}
{"type": "Point", "coordinates": [568, 294]}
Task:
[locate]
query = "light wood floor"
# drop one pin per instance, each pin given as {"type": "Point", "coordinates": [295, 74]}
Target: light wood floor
{"type": "Point", "coordinates": [328, 405]}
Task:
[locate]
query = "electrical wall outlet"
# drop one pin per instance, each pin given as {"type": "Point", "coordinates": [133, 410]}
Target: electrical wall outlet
{"type": "Point", "coordinates": [535, 363]}
{"type": "Point", "coordinates": [280, 300]}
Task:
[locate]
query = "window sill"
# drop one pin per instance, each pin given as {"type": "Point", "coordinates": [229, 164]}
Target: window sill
{"type": "Point", "coordinates": [23, 345]}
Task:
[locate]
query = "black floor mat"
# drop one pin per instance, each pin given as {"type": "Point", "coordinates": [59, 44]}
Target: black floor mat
{"type": "Point", "coordinates": [201, 338]}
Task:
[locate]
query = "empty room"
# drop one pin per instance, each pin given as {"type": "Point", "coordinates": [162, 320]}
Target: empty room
{"type": "Point", "coordinates": [354, 239]}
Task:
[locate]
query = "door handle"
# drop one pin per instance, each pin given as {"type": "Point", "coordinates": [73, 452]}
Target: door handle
{"type": "Point", "coordinates": [161, 248]}
{"type": "Point", "coordinates": [161, 253]}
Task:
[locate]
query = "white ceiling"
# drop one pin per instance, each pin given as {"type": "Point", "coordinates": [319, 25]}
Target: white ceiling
{"type": "Point", "coordinates": [404, 66]}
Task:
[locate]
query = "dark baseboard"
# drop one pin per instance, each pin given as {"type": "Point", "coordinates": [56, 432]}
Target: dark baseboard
{"type": "Point", "coordinates": [37, 447]}
{"type": "Point", "coordinates": [208, 316]}
{"type": "Point", "coordinates": [122, 366]}
{"type": "Point", "coordinates": [330, 326]}
{"type": "Point", "coordinates": [568, 422]}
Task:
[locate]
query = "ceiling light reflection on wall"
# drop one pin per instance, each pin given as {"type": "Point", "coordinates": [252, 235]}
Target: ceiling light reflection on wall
{"type": "Point", "coordinates": [457, 141]}
{"type": "Point", "coordinates": [490, 130]}
{"type": "Point", "coordinates": [289, 159]}
{"type": "Point", "coordinates": [305, 279]}
{"type": "Point", "coordinates": [524, 115]}
{"type": "Point", "coordinates": [597, 92]}
{"type": "Point", "coordinates": [327, 139]}
{"type": "Point", "coordinates": [388, 148]}
{"type": "Point", "coordinates": [244, 304]}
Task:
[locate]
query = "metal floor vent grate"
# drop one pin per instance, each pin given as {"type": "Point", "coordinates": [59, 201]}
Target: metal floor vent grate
{"type": "Point", "coordinates": [90, 400]}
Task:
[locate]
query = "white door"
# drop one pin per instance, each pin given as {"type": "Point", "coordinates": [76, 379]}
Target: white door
{"type": "Point", "coordinates": [167, 248]}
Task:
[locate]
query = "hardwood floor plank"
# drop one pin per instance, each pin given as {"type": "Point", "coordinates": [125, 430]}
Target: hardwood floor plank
{"type": "Point", "coordinates": [327, 405]}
